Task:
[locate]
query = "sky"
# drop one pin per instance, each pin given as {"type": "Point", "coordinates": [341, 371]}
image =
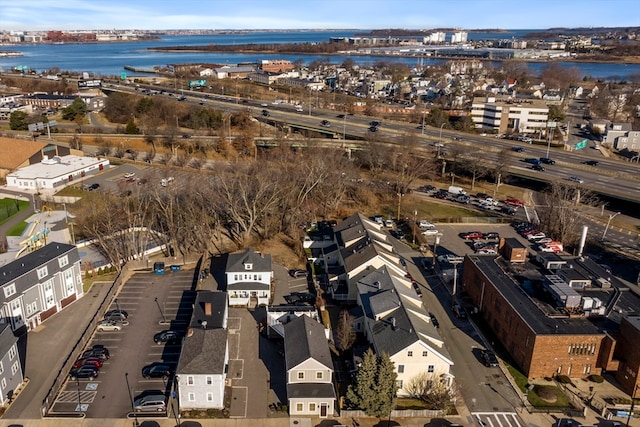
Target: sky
{"type": "Point", "coordinates": [21, 15]}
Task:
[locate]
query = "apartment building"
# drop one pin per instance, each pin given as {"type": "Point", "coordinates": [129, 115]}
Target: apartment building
{"type": "Point", "coordinates": [510, 115]}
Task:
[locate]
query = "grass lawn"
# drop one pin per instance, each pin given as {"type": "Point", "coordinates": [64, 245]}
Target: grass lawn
{"type": "Point", "coordinates": [416, 404]}
{"type": "Point", "coordinates": [71, 191]}
{"type": "Point", "coordinates": [8, 208]}
{"type": "Point", "coordinates": [17, 229]}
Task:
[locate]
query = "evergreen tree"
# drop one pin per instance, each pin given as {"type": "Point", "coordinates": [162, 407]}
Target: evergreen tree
{"type": "Point", "coordinates": [18, 120]}
{"type": "Point", "coordinates": [375, 386]}
{"type": "Point", "coordinates": [385, 387]}
{"type": "Point", "coordinates": [77, 109]}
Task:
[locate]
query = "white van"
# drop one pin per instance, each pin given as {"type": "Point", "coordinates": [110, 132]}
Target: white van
{"type": "Point", "coordinates": [299, 108]}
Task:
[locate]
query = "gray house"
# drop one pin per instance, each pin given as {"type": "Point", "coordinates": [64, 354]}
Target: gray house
{"type": "Point", "coordinates": [309, 368]}
{"type": "Point", "coordinates": [10, 366]}
{"type": "Point", "coordinates": [202, 369]}
{"type": "Point", "coordinates": [40, 284]}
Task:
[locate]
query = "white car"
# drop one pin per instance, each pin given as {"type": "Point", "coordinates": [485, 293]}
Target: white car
{"type": "Point", "coordinates": [109, 325]}
{"type": "Point", "coordinates": [450, 258]}
{"type": "Point", "coordinates": [536, 236]}
{"type": "Point", "coordinates": [430, 232]}
{"type": "Point", "coordinates": [576, 179]}
{"type": "Point", "coordinates": [425, 224]}
{"type": "Point", "coordinates": [129, 174]}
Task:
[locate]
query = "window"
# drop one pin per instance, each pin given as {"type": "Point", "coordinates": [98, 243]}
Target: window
{"type": "Point", "coordinates": [192, 397]}
{"type": "Point", "coordinates": [68, 282]}
{"type": "Point", "coordinates": [209, 397]}
{"type": "Point", "coordinates": [9, 290]}
{"type": "Point", "coordinates": [300, 375]}
{"type": "Point", "coordinates": [209, 381]}
{"type": "Point", "coordinates": [4, 383]}
{"type": "Point", "coordinates": [401, 369]}
{"type": "Point", "coordinates": [248, 266]}
{"type": "Point", "coordinates": [299, 407]}
{"type": "Point", "coordinates": [63, 261]}
{"type": "Point", "coordinates": [1, 369]}
{"type": "Point", "coordinates": [48, 294]}
{"type": "Point", "coordinates": [190, 380]}
{"type": "Point", "coordinates": [410, 353]}
{"type": "Point", "coordinates": [42, 272]}
{"type": "Point", "coordinates": [399, 384]}
{"type": "Point", "coordinates": [32, 308]}
{"type": "Point", "coordinates": [15, 367]}
{"type": "Point", "coordinates": [430, 368]}
{"type": "Point", "coordinates": [425, 353]}
{"type": "Point", "coordinates": [12, 352]}
{"type": "Point", "coordinates": [319, 375]}
{"type": "Point", "coordinates": [312, 407]}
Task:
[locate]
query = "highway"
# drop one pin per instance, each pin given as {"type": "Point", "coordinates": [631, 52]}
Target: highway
{"type": "Point", "coordinates": [610, 177]}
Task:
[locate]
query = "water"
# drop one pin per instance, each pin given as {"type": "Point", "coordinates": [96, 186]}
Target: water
{"type": "Point", "coordinates": [108, 59]}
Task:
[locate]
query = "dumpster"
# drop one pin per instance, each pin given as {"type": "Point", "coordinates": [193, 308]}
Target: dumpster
{"type": "Point", "coordinates": [158, 267]}
{"type": "Point", "coordinates": [175, 268]}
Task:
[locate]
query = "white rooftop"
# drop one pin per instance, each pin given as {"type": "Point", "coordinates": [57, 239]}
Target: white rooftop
{"type": "Point", "coordinates": [57, 166]}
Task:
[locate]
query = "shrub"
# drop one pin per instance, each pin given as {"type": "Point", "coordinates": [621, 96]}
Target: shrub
{"type": "Point", "coordinates": [548, 394]}
{"type": "Point", "coordinates": [563, 379]}
{"type": "Point", "coordinates": [596, 379]}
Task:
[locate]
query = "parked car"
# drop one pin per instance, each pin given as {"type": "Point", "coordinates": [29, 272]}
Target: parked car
{"type": "Point", "coordinates": [473, 235]}
{"type": "Point", "coordinates": [536, 236]}
{"type": "Point", "coordinates": [426, 264]}
{"type": "Point", "coordinates": [110, 325]}
{"type": "Point", "coordinates": [86, 371]}
{"type": "Point", "coordinates": [430, 232]}
{"type": "Point", "coordinates": [492, 236]}
{"type": "Point", "coordinates": [89, 361]}
{"type": "Point", "coordinates": [150, 403]}
{"type": "Point", "coordinates": [157, 370]}
{"type": "Point", "coordinates": [298, 273]}
{"type": "Point", "coordinates": [486, 251]}
{"type": "Point", "coordinates": [434, 321]}
{"type": "Point", "coordinates": [425, 224]}
{"type": "Point", "coordinates": [94, 186]}
{"type": "Point", "coordinates": [98, 351]}
{"type": "Point", "coordinates": [167, 337]}
{"type": "Point", "coordinates": [116, 314]}
{"type": "Point", "coordinates": [416, 286]}
{"type": "Point", "coordinates": [513, 202]}
{"type": "Point", "coordinates": [544, 240]}
{"type": "Point", "coordinates": [129, 174]}
{"type": "Point", "coordinates": [508, 210]}
{"type": "Point", "coordinates": [459, 311]}
{"type": "Point", "coordinates": [449, 258]}
{"type": "Point", "coordinates": [489, 359]}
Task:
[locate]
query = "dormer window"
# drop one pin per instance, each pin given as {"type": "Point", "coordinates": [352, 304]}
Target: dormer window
{"type": "Point", "coordinates": [248, 266]}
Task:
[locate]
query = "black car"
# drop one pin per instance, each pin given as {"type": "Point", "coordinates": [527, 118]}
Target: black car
{"type": "Point", "coordinates": [94, 186]}
{"type": "Point", "coordinates": [116, 315]}
{"type": "Point", "coordinates": [265, 113]}
{"type": "Point", "coordinates": [98, 351]}
{"type": "Point", "coordinates": [157, 370]}
{"type": "Point", "coordinates": [306, 297]}
{"type": "Point", "coordinates": [492, 236]}
{"type": "Point", "coordinates": [517, 149]}
{"type": "Point", "coordinates": [508, 210]}
{"type": "Point", "coordinates": [86, 371]}
{"type": "Point", "coordinates": [547, 161]}
{"type": "Point", "coordinates": [167, 337]}
{"type": "Point", "coordinates": [416, 286]}
{"type": "Point", "coordinates": [538, 168]}
{"type": "Point", "coordinates": [373, 129]}
{"type": "Point", "coordinates": [374, 123]}
{"type": "Point", "coordinates": [340, 116]}
{"type": "Point", "coordinates": [591, 162]}
{"type": "Point", "coordinates": [434, 321]}
{"type": "Point", "coordinates": [489, 359]}
{"type": "Point", "coordinates": [325, 123]}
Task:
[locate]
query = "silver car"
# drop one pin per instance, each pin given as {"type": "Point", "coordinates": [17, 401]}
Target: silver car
{"type": "Point", "coordinates": [150, 403]}
{"type": "Point", "coordinates": [109, 325]}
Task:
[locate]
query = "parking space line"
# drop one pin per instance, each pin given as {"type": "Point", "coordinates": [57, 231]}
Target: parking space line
{"type": "Point", "coordinates": [234, 324]}
{"type": "Point", "coordinates": [233, 341]}
{"type": "Point", "coordinates": [239, 397]}
{"type": "Point", "coordinates": [236, 369]}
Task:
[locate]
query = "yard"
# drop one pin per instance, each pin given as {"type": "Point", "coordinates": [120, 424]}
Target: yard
{"type": "Point", "coordinates": [10, 207]}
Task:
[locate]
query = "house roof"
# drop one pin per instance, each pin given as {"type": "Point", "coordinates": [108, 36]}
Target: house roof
{"type": "Point", "coordinates": [15, 152]}
{"type": "Point", "coordinates": [394, 316]}
{"type": "Point", "coordinates": [253, 286]}
{"type": "Point", "coordinates": [260, 262]}
{"type": "Point", "coordinates": [204, 348]}
{"type": "Point", "coordinates": [7, 339]}
{"type": "Point", "coordinates": [304, 339]}
{"type": "Point", "coordinates": [310, 390]}
{"type": "Point", "coordinates": [33, 260]}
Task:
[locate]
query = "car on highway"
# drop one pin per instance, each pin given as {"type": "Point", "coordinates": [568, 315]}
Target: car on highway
{"type": "Point", "coordinates": [340, 116]}
{"type": "Point", "coordinates": [489, 359]}
{"type": "Point", "coordinates": [539, 168]}
{"type": "Point", "coordinates": [576, 179]}
{"type": "Point", "coordinates": [547, 161]}
{"type": "Point", "coordinates": [87, 371]}
{"type": "Point", "coordinates": [517, 149]}
{"type": "Point", "coordinates": [325, 123]}
{"type": "Point", "coordinates": [265, 113]}
{"type": "Point", "coordinates": [591, 162]}
{"type": "Point", "coordinates": [375, 123]}
{"type": "Point", "coordinates": [167, 337]}
{"type": "Point", "coordinates": [373, 129]}
{"type": "Point", "coordinates": [157, 370]}
{"type": "Point", "coordinates": [110, 326]}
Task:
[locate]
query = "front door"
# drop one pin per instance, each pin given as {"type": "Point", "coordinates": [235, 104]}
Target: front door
{"type": "Point", "coordinates": [323, 410]}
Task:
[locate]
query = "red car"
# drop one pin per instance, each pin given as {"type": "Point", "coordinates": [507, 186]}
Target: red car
{"type": "Point", "coordinates": [90, 361]}
{"type": "Point", "coordinates": [513, 202]}
{"type": "Point", "coordinates": [473, 235]}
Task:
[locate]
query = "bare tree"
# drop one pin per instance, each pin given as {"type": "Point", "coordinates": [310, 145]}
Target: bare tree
{"type": "Point", "coordinates": [345, 334]}
{"type": "Point", "coordinates": [433, 391]}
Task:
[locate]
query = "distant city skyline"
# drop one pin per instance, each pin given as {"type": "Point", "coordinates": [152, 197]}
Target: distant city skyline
{"type": "Point", "coordinates": [42, 15]}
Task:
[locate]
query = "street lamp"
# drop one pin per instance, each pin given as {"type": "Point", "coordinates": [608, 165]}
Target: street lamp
{"type": "Point", "coordinates": [66, 215]}
{"type": "Point", "coordinates": [422, 130]}
{"type": "Point", "coordinates": [133, 409]}
{"type": "Point", "coordinates": [455, 276]}
{"type": "Point", "coordinates": [399, 201]}
{"type": "Point", "coordinates": [164, 320]}
{"type": "Point", "coordinates": [415, 220]}
{"type": "Point", "coordinates": [611, 216]}
{"type": "Point", "coordinates": [440, 138]}
{"type": "Point", "coordinates": [117, 306]}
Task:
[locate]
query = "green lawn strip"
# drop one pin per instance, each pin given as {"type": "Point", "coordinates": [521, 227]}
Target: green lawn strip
{"type": "Point", "coordinates": [17, 229]}
{"type": "Point", "coordinates": [406, 403]}
{"type": "Point", "coordinates": [8, 208]}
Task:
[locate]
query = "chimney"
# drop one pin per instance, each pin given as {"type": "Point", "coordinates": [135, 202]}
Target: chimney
{"type": "Point", "coordinates": [207, 309]}
{"type": "Point", "coordinates": [393, 323]}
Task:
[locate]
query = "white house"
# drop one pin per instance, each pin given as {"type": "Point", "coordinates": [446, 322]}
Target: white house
{"type": "Point", "coordinates": [249, 276]}
{"type": "Point", "coordinates": [395, 322]}
{"type": "Point", "coordinates": [309, 369]}
{"type": "Point", "coordinates": [55, 173]}
{"type": "Point", "coordinates": [204, 360]}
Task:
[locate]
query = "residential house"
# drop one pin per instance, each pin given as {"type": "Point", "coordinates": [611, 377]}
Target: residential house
{"type": "Point", "coordinates": [279, 315]}
{"type": "Point", "coordinates": [621, 136]}
{"type": "Point", "coordinates": [249, 276]}
{"type": "Point", "coordinates": [39, 285]}
{"type": "Point", "coordinates": [309, 369]}
{"type": "Point", "coordinates": [10, 367]}
{"type": "Point", "coordinates": [204, 360]}
{"type": "Point", "coordinates": [395, 322]}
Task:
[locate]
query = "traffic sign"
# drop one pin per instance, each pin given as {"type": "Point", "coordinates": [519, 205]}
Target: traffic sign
{"type": "Point", "coordinates": [581, 144]}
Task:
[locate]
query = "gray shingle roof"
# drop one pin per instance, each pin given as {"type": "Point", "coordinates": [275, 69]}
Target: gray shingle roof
{"type": "Point", "coordinates": [304, 339]}
{"type": "Point", "coordinates": [29, 262]}
{"type": "Point", "coordinates": [311, 391]}
{"type": "Point", "coordinates": [236, 262]}
{"type": "Point", "coordinates": [7, 338]}
{"type": "Point", "coordinates": [204, 348]}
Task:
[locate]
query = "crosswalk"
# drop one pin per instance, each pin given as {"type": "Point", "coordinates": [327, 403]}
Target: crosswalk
{"type": "Point", "coordinates": [498, 419]}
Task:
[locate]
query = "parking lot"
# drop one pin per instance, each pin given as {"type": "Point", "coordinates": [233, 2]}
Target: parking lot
{"type": "Point", "coordinates": [154, 303]}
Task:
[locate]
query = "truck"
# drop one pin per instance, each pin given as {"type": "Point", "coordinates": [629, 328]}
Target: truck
{"type": "Point", "coordinates": [456, 190]}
